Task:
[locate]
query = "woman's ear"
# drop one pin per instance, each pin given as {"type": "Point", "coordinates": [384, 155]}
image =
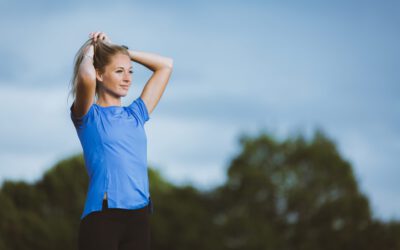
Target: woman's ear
{"type": "Point", "coordinates": [99, 75]}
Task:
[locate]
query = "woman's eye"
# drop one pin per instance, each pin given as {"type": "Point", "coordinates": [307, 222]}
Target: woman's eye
{"type": "Point", "coordinates": [131, 72]}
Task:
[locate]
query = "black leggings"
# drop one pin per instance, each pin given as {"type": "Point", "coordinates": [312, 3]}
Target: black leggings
{"type": "Point", "coordinates": [115, 229]}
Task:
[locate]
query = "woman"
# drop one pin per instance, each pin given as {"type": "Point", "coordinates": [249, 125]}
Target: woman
{"type": "Point", "coordinates": [114, 143]}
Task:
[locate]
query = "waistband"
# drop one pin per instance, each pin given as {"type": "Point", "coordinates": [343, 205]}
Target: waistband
{"type": "Point", "coordinates": [149, 207]}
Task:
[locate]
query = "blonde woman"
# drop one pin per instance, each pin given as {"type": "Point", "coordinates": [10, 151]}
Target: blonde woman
{"type": "Point", "coordinates": [114, 143]}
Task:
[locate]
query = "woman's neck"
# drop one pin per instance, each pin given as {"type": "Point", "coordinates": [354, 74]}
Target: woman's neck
{"type": "Point", "coordinates": [106, 101]}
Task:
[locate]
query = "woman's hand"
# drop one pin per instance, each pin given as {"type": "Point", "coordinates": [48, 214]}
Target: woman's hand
{"type": "Point", "coordinates": [100, 35]}
{"type": "Point", "coordinates": [89, 50]}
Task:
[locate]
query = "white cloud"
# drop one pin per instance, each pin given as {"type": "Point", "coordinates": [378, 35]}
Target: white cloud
{"type": "Point", "coordinates": [233, 73]}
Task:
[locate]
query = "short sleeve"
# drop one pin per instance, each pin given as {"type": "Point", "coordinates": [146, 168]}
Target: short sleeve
{"type": "Point", "coordinates": [80, 121]}
{"type": "Point", "coordinates": [139, 107]}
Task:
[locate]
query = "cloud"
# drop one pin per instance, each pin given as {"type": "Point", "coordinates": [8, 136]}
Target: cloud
{"type": "Point", "coordinates": [237, 67]}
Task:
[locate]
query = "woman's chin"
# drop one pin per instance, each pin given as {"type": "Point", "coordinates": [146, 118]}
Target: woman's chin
{"type": "Point", "coordinates": [123, 93]}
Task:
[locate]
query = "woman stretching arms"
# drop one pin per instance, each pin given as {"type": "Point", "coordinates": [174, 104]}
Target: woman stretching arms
{"type": "Point", "coordinates": [114, 142]}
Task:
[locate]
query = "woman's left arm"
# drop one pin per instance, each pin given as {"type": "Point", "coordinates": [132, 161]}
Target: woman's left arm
{"type": "Point", "coordinates": [155, 86]}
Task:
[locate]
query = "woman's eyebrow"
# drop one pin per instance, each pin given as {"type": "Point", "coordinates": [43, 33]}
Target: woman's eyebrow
{"type": "Point", "coordinates": [123, 67]}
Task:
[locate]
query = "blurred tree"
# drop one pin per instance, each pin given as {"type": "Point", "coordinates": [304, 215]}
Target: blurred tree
{"type": "Point", "coordinates": [291, 194]}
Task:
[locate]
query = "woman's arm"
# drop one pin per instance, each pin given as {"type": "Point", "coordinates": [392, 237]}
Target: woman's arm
{"type": "Point", "coordinates": [86, 76]}
{"type": "Point", "coordinates": [155, 86]}
{"type": "Point", "coordinates": [86, 68]}
{"type": "Point", "coordinates": [150, 60]}
{"type": "Point", "coordinates": [86, 84]}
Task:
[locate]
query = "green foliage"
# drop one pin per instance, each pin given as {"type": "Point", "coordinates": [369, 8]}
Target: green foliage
{"type": "Point", "coordinates": [306, 194]}
{"type": "Point", "coordinates": [290, 194]}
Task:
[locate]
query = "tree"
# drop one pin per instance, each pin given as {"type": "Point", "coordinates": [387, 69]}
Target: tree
{"type": "Point", "coordinates": [288, 194]}
{"type": "Point", "coordinates": [292, 195]}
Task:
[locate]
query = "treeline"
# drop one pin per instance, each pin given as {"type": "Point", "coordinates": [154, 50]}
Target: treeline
{"type": "Point", "coordinates": [281, 195]}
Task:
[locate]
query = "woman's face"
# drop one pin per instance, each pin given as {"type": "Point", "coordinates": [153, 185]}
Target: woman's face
{"type": "Point", "coordinates": [116, 78]}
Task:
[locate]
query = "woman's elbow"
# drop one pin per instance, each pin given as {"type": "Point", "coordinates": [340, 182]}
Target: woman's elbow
{"type": "Point", "coordinates": [170, 62]}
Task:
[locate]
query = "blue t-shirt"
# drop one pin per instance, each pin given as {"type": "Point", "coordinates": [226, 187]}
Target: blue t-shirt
{"type": "Point", "coordinates": [114, 146]}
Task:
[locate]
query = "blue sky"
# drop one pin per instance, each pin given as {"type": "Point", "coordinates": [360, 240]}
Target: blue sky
{"type": "Point", "coordinates": [239, 67]}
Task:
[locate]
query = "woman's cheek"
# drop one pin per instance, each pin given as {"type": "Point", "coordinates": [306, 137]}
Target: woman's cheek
{"type": "Point", "coordinates": [116, 77]}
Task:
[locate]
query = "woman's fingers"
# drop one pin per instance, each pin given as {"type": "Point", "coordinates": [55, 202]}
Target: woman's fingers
{"type": "Point", "coordinates": [104, 37]}
{"type": "Point", "coordinates": [98, 35]}
{"type": "Point", "coordinates": [94, 35]}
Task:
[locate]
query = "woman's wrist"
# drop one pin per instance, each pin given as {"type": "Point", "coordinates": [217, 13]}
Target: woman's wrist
{"type": "Point", "coordinates": [89, 53]}
{"type": "Point", "coordinates": [90, 50]}
{"type": "Point", "coordinates": [131, 55]}
{"type": "Point", "coordinates": [90, 57]}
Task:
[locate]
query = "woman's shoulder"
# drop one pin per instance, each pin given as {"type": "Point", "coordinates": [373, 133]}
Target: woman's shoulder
{"type": "Point", "coordinates": [82, 119]}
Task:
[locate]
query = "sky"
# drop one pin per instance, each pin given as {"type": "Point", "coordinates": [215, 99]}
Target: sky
{"type": "Point", "coordinates": [239, 67]}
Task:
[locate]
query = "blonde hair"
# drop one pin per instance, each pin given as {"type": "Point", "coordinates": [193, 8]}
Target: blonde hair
{"type": "Point", "coordinates": [103, 53]}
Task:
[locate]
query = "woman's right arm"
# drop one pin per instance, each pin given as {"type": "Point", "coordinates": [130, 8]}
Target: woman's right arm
{"type": "Point", "coordinates": [86, 84]}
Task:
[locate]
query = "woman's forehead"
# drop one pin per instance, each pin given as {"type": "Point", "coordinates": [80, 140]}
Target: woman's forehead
{"type": "Point", "coordinates": [121, 60]}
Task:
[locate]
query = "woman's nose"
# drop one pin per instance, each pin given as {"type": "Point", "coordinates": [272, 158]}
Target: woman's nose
{"type": "Point", "coordinates": [127, 77]}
